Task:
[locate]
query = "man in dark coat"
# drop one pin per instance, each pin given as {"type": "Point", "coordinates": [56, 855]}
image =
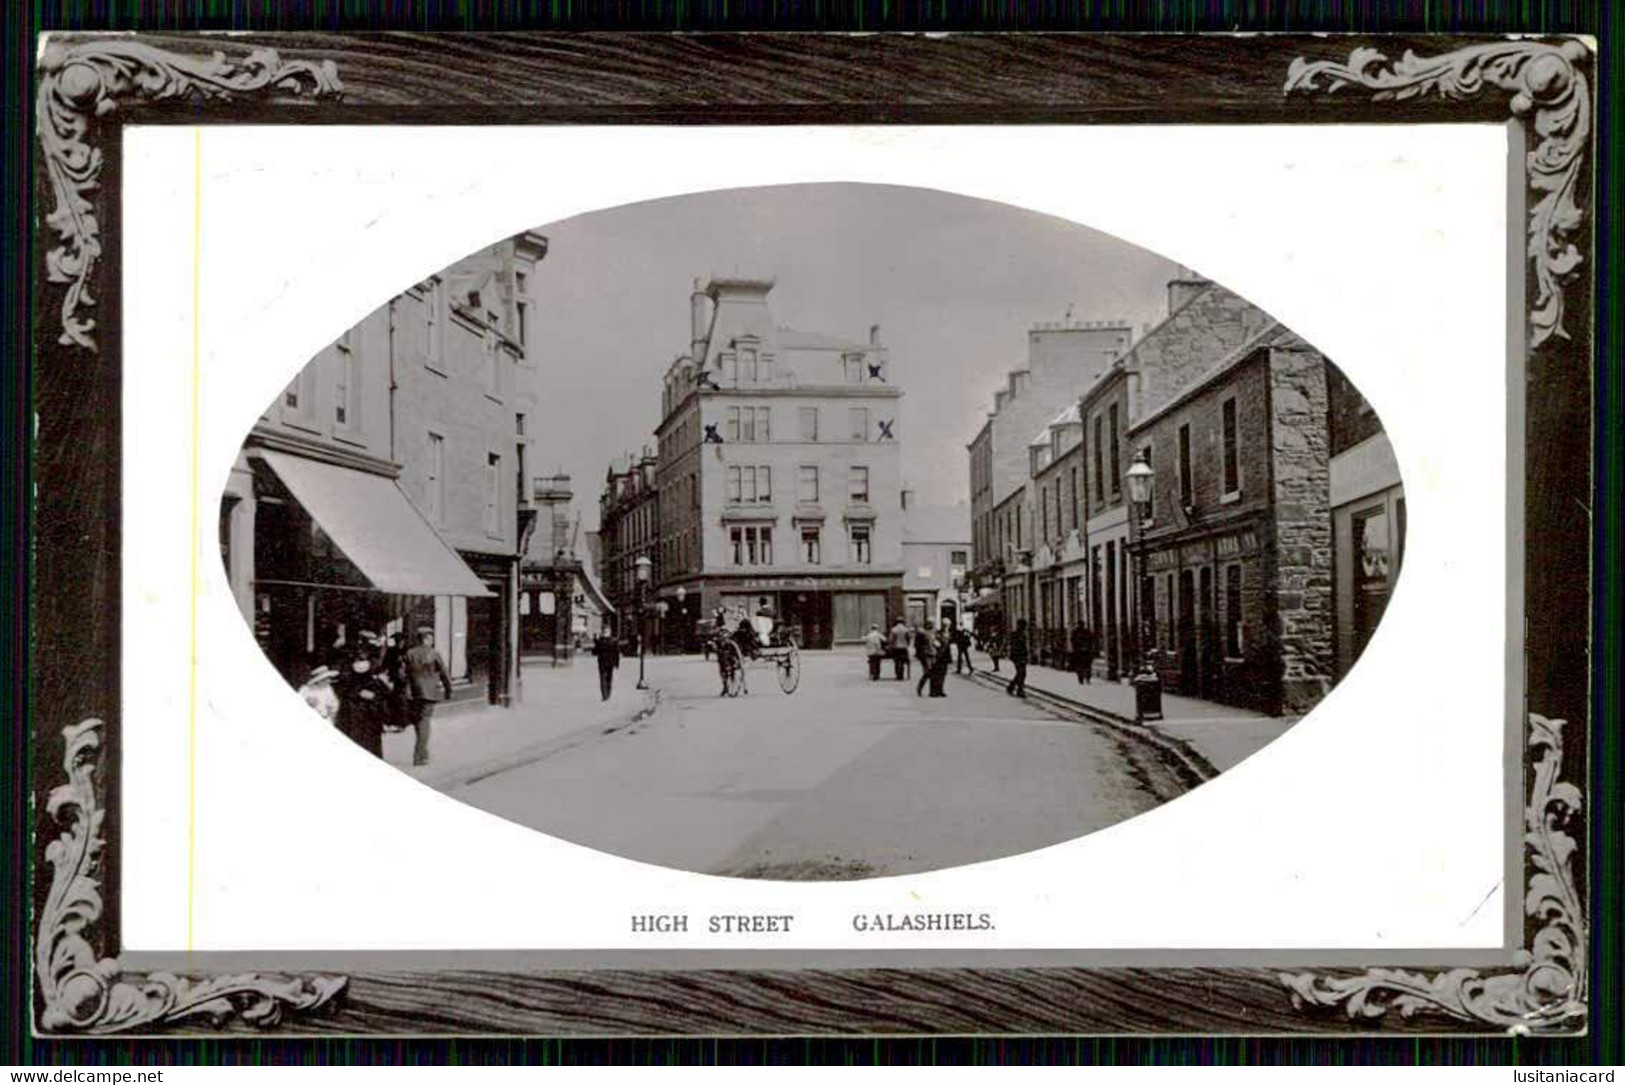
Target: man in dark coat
{"type": "Point", "coordinates": [1083, 652]}
{"type": "Point", "coordinates": [940, 660]}
{"type": "Point", "coordinates": [899, 650]}
{"type": "Point", "coordinates": [925, 650]}
{"type": "Point", "coordinates": [1018, 659]}
{"type": "Point", "coordinates": [426, 683]}
{"type": "Point", "coordinates": [961, 640]}
{"type": "Point", "coordinates": [608, 651]}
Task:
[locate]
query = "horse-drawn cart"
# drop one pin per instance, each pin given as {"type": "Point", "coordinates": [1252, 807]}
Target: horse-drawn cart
{"type": "Point", "coordinates": [742, 651]}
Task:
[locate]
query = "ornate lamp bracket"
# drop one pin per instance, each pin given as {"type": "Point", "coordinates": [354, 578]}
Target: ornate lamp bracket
{"type": "Point", "coordinates": [1548, 88]}
{"type": "Point", "coordinates": [81, 82]}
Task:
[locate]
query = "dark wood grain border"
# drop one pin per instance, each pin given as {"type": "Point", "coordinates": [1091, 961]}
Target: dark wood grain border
{"type": "Point", "coordinates": [90, 85]}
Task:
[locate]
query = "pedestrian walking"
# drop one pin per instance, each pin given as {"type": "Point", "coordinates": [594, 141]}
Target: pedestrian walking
{"type": "Point", "coordinates": [899, 650]}
{"type": "Point", "coordinates": [1018, 660]}
{"type": "Point", "coordinates": [925, 650]}
{"type": "Point", "coordinates": [940, 660]}
{"type": "Point", "coordinates": [993, 645]}
{"type": "Point", "coordinates": [427, 683]}
{"type": "Point", "coordinates": [961, 641]}
{"type": "Point", "coordinates": [1083, 652]}
{"type": "Point", "coordinates": [608, 651]}
{"type": "Point", "coordinates": [874, 643]}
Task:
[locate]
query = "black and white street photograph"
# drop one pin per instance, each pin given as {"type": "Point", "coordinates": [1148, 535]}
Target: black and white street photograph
{"type": "Point", "coordinates": [878, 538]}
{"type": "Point", "coordinates": [814, 532]}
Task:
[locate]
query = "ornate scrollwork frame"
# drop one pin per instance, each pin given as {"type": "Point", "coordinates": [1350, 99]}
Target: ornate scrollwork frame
{"type": "Point", "coordinates": [1547, 84]}
{"type": "Point", "coordinates": [82, 82]}
{"type": "Point", "coordinates": [1545, 990]}
{"type": "Point", "coordinates": [79, 991]}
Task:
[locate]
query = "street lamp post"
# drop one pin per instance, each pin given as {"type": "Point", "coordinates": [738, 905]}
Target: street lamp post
{"type": "Point", "coordinates": [682, 620]}
{"type": "Point", "coordinates": [643, 565]}
{"type": "Point", "coordinates": [1147, 683]}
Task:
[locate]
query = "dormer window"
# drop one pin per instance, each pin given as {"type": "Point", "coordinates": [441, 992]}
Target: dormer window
{"type": "Point", "coordinates": [854, 368]}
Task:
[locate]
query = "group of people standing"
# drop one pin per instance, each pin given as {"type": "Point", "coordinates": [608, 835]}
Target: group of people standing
{"type": "Point", "coordinates": [380, 685]}
{"type": "Point", "coordinates": [935, 647]}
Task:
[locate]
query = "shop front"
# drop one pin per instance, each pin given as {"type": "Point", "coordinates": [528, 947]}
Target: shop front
{"type": "Point", "coordinates": [339, 552]}
{"type": "Point", "coordinates": [1213, 629]}
{"type": "Point", "coordinates": [820, 611]}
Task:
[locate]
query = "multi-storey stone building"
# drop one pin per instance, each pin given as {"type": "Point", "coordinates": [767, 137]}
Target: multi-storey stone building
{"type": "Point", "coordinates": [386, 486]}
{"type": "Point", "coordinates": [629, 511]}
{"type": "Point", "coordinates": [778, 472]}
{"type": "Point", "coordinates": [1063, 359]}
{"type": "Point", "coordinates": [936, 560]}
{"type": "Point", "coordinates": [1237, 550]}
{"type": "Point", "coordinates": [1105, 410]}
{"type": "Point", "coordinates": [1060, 555]}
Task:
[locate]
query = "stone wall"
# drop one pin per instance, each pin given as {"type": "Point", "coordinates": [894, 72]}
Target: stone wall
{"type": "Point", "coordinates": [1302, 526]}
{"type": "Point", "coordinates": [1184, 349]}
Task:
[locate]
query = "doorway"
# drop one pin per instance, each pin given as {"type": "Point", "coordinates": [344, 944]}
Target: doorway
{"type": "Point", "coordinates": [1187, 633]}
{"type": "Point", "coordinates": [1207, 636]}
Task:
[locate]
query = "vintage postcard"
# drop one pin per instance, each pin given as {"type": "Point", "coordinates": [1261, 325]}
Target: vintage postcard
{"type": "Point", "coordinates": [779, 534]}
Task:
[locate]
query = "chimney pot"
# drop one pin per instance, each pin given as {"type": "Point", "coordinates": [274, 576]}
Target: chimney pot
{"type": "Point", "coordinates": [874, 335]}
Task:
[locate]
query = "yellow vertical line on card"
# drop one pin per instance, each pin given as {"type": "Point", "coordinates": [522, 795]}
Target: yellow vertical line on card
{"type": "Point", "coordinates": [191, 673]}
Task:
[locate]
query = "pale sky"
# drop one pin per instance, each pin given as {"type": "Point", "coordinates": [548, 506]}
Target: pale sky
{"type": "Point", "coordinates": [953, 282]}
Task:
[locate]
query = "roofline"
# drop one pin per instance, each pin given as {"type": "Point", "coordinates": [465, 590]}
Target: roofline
{"type": "Point", "coordinates": [1236, 358]}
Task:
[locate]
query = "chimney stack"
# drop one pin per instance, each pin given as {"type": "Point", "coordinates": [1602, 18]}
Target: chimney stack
{"type": "Point", "coordinates": [1184, 288]}
{"type": "Point", "coordinates": [874, 335]}
{"type": "Point", "coordinates": [698, 320]}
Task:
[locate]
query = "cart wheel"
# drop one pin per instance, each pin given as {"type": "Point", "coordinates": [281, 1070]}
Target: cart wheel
{"type": "Point", "coordinates": [731, 661]}
{"type": "Point", "coordinates": [790, 669]}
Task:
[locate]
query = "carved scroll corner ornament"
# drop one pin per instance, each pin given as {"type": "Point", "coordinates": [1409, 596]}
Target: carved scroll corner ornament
{"type": "Point", "coordinates": [1545, 989]}
{"type": "Point", "coordinates": [1548, 85]}
{"type": "Point", "coordinates": [81, 81]}
{"type": "Point", "coordinates": [80, 993]}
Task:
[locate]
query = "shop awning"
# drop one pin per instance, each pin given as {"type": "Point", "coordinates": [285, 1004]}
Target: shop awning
{"type": "Point", "coordinates": [376, 527]}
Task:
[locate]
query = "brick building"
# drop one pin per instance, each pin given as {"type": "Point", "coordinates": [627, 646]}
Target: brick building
{"type": "Point", "coordinates": [1237, 549]}
{"type": "Point", "coordinates": [778, 453]}
{"type": "Point", "coordinates": [386, 486]}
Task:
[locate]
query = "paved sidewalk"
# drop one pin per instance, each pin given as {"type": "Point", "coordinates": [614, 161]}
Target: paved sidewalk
{"type": "Point", "coordinates": [1222, 734]}
{"type": "Point", "coordinates": [467, 740]}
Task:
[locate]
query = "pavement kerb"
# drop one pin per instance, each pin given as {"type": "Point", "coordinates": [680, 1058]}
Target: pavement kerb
{"type": "Point", "coordinates": [1180, 752]}
{"type": "Point", "coordinates": [465, 775]}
